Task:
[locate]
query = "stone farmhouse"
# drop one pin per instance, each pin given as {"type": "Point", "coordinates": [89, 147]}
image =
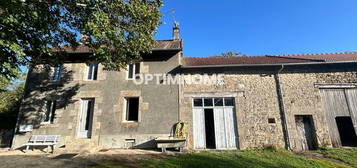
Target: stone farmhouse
{"type": "Point", "coordinates": [299, 102]}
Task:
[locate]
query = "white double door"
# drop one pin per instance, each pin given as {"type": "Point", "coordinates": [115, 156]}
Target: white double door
{"type": "Point", "coordinates": [224, 128]}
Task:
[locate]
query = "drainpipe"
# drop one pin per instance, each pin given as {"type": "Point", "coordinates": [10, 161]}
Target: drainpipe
{"type": "Point", "coordinates": [282, 108]}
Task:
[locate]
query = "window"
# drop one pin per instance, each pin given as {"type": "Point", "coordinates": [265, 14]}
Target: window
{"type": "Point", "coordinates": [208, 102]}
{"type": "Point", "coordinates": [271, 120]}
{"type": "Point", "coordinates": [49, 112]}
{"type": "Point", "coordinates": [57, 73]}
{"type": "Point", "coordinates": [218, 102]}
{"type": "Point", "coordinates": [229, 101]}
{"type": "Point", "coordinates": [92, 71]}
{"type": "Point", "coordinates": [197, 102]}
{"type": "Point", "coordinates": [133, 70]}
{"type": "Point", "coordinates": [132, 109]}
{"type": "Point", "coordinates": [213, 102]}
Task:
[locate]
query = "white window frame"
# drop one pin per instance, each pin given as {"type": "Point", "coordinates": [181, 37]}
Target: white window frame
{"type": "Point", "coordinates": [134, 71]}
{"type": "Point", "coordinates": [95, 67]}
{"type": "Point", "coordinates": [57, 73]}
{"type": "Point", "coordinates": [126, 110]}
{"type": "Point", "coordinates": [52, 111]}
{"type": "Point", "coordinates": [213, 105]}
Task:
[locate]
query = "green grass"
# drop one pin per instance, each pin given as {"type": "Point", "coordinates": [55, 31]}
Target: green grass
{"type": "Point", "coordinates": [347, 155]}
{"type": "Point", "coordinates": [263, 158]}
{"type": "Point", "coordinates": [252, 158]}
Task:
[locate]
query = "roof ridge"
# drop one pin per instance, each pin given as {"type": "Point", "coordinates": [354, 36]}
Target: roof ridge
{"type": "Point", "coordinates": [245, 56]}
{"type": "Point", "coordinates": [287, 57]}
{"type": "Point", "coordinates": [339, 53]}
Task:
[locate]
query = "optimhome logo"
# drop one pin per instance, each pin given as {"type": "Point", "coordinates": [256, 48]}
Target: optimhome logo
{"type": "Point", "coordinates": [179, 79]}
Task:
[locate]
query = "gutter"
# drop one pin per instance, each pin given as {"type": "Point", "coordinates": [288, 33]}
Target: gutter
{"type": "Point", "coordinates": [266, 65]}
{"type": "Point", "coordinates": [284, 123]}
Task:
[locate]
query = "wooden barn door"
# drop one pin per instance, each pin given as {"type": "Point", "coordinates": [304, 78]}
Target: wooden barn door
{"type": "Point", "coordinates": [306, 132]}
{"type": "Point", "coordinates": [214, 124]}
{"type": "Point", "coordinates": [231, 133]}
{"type": "Point", "coordinates": [199, 135]}
{"type": "Point", "coordinates": [220, 128]}
{"type": "Point", "coordinates": [339, 103]}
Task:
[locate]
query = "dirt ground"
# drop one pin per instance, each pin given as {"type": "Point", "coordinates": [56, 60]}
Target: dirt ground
{"type": "Point", "coordinates": [39, 159]}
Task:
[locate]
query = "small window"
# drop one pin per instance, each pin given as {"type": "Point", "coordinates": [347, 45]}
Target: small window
{"type": "Point", "coordinates": [132, 109]}
{"type": "Point", "coordinates": [57, 73]}
{"type": "Point", "coordinates": [197, 102]}
{"type": "Point", "coordinates": [218, 102]}
{"type": "Point", "coordinates": [49, 112]}
{"type": "Point", "coordinates": [133, 70]}
{"type": "Point", "coordinates": [208, 102]}
{"type": "Point", "coordinates": [229, 101]}
{"type": "Point", "coordinates": [92, 71]}
{"type": "Point", "coordinates": [271, 120]}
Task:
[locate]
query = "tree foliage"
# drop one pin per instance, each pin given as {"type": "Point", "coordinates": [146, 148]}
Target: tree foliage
{"type": "Point", "coordinates": [118, 31]}
{"type": "Point", "coordinates": [10, 100]}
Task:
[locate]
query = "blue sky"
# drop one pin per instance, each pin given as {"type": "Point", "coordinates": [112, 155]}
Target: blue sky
{"type": "Point", "coordinates": [261, 27]}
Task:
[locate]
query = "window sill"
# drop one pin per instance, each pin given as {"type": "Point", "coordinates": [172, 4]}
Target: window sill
{"type": "Point", "coordinates": [90, 81]}
{"type": "Point", "coordinates": [129, 123]}
{"type": "Point", "coordinates": [48, 125]}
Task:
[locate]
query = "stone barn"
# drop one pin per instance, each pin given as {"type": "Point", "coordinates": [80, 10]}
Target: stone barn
{"type": "Point", "coordinates": [299, 102]}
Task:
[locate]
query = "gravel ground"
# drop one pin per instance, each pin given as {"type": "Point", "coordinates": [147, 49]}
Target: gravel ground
{"type": "Point", "coordinates": [38, 159]}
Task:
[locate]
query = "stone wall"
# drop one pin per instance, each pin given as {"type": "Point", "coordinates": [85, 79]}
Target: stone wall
{"type": "Point", "coordinates": [161, 106]}
{"type": "Point", "coordinates": [259, 102]}
{"type": "Point", "coordinates": [256, 103]}
{"type": "Point", "coordinates": [301, 97]}
{"type": "Point", "coordinates": [158, 108]}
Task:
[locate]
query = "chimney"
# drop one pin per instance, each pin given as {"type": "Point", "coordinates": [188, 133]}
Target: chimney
{"type": "Point", "coordinates": [83, 39]}
{"type": "Point", "coordinates": [176, 31]}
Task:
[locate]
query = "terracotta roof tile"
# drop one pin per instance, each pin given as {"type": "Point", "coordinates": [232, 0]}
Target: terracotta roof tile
{"type": "Point", "coordinates": [327, 57]}
{"type": "Point", "coordinates": [159, 45]}
{"type": "Point", "coordinates": [276, 59]}
{"type": "Point", "coordinates": [167, 44]}
{"type": "Point", "coordinates": [198, 61]}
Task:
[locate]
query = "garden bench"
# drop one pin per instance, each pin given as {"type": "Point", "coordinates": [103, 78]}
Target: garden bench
{"type": "Point", "coordinates": [42, 140]}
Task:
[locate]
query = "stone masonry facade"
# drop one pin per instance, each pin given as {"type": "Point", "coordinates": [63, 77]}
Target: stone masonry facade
{"type": "Point", "coordinates": [257, 102]}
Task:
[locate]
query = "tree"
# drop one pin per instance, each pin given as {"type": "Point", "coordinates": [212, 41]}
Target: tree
{"type": "Point", "coordinates": [229, 54]}
{"type": "Point", "coordinates": [10, 101]}
{"type": "Point", "coordinates": [118, 31]}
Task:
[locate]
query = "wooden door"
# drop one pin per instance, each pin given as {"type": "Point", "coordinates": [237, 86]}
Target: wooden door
{"type": "Point", "coordinates": [199, 135]}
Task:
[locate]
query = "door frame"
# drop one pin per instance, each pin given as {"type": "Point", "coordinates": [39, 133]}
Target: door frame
{"type": "Point", "coordinates": [88, 134]}
{"type": "Point", "coordinates": [223, 107]}
{"type": "Point", "coordinates": [311, 121]}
